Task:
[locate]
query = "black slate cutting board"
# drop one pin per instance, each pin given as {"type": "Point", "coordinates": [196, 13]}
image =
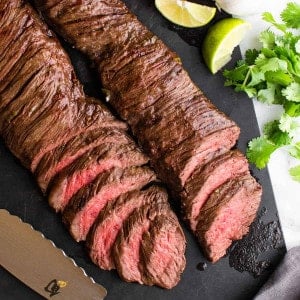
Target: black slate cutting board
{"type": "Point", "coordinates": [20, 195]}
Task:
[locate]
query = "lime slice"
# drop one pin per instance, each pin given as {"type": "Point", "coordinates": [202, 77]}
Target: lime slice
{"type": "Point", "coordinates": [220, 41]}
{"type": "Point", "coordinates": [184, 13]}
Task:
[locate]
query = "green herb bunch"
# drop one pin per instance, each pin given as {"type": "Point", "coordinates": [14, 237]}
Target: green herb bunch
{"type": "Point", "coordinates": [272, 75]}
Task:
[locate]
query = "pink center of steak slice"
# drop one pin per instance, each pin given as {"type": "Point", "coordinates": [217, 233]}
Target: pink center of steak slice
{"type": "Point", "coordinates": [57, 159]}
{"type": "Point", "coordinates": [107, 230]}
{"type": "Point", "coordinates": [128, 244]}
{"type": "Point", "coordinates": [205, 180]}
{"type": "Point", "coordinates": [110, 221]}
{"type": "Point", "coordinates": [132, 178]}
{"type": "Point", "coordinates": [130, 257]}
{"type": "Point", "coordinates": [87, 167]}
{"type": "Point", "coordinates": [230, 218]}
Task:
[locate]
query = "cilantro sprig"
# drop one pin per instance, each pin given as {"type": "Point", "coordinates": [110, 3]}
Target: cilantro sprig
{"type": "Point", "coordinates": [272, 76]}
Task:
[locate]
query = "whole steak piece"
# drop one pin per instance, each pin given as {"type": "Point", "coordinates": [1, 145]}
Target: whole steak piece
{"type": "Point", "coordinates": [175, 123]}
{"type": "Point", "coordinates": [63, 137]}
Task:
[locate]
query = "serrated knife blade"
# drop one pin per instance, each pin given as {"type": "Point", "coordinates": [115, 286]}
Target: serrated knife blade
{"type": "Point", "coordinates": [36, 261]}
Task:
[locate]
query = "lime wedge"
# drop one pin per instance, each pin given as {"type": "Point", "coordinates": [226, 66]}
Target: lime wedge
{"type": "Point", "coordinates": [220, 41]}
{"type": "Point", "coordinates": [184, 13]}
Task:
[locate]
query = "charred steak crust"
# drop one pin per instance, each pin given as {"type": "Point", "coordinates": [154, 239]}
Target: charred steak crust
{"type": "Point", "coordinates": [127, 247]}
{"type": "Point", "coordinates": [227, 215]}
{"type": "Point", "coordinates": [103, 234]}
{"type": "Point", "coordinates": [84, 207]}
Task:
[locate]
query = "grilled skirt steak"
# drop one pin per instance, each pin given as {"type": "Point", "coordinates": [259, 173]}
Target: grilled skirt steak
{"type": "Point", "coordinates": [159, 255]}
{"type": "Point", "coordinates": [147, 85]}
{"type": "Point", "coordinates": [84, 207]}
{"type": "Point", "coordinates": [107, 226]}
{"type": "Point", "coordinates": [127, 247]}
{"type": "Point", "coordinates": [205, 180]}
{"type": "Point", "coordinates": [177, 126]}
{"type": "Point", "coordinates": [227, 215]}
{"type": "Point", "coordinates": [57, 132]}
{"type": "Point", "coordinates": [86, 168]}
{"type": "Point", "coordinates": [60, 157]}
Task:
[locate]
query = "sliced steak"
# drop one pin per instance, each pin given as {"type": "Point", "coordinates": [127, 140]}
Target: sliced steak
{"type": "Point", "coordinates": [178, 165]}
{"type": "Point", "coordinates": [177, 126]}
{"type": "Point", "coordinates": [205, 180]}
{"type": "Point", "coordinates": [227, 215]}
{"type": "Point", "coordinates": [105, 230]}
{"type": "Point", "coordinates": [86, 168]}
{"type": "Point", "coordinates": [84, 207]}
{"type": "Point", "coordinates": [127, 247]}
{"type": "Point", "coordinates": [162, 252]}
{"type": "Point", "coordinates": [43, 107]}
{"type": "Point", "coordinates": [57, 159]}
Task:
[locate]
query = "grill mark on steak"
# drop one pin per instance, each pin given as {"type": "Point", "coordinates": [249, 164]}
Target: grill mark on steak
{"type": "Point", "coordinates": [208, 178]}
{"type": "Point", "coordinates": [227, 215]}
{"type": "Point", "coordinates": [59, 158]}
{"type": "Point", "coordinates": [162, 249]}
{"type": "Point", "coordinates": [127, 247]}
{"type": "Point", "coordinates": [85, 169]}
{"type": "Point", "coordinates": [84, 207]}
{"type": "Point", "coordinates": [102, 236]}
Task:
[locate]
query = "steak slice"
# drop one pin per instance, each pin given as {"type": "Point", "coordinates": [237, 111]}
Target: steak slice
{"type": "Point", "coordinates": [128, 243]}
{"type": "Point", "coordinates": [205, 180]}
{"type": "Point", "coordinates": [162, 252]}
{"type": "Point", "coordinates": [57, 159]}
{"type": "Point", "coordinates": [84, 207]}
{"type": "Point", "coordinates": [227, 215]}
{"type": "Point", "coordinates": [85, 169]}
{"type": "Point", "coordinates": [102, 236]}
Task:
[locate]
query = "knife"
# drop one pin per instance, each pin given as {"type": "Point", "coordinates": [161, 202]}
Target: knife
{"type": "Point", "coordinates": [36, 261]}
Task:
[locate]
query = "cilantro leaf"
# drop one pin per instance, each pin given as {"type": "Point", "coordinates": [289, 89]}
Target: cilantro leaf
{"type": "Point", "coordinates": [274, 134]}
{"type": "Point", "coordinates": [250, 56]}
{"type": "Point", "coordinates": [268, 17]}
{"type": "Point", "coordinates": [292, 92]}
{"type": "Point", "coordinates": [259, 151]}
{"type": "Point", "coordinates": [291, 15]}
{"type": "Point", "coordinates": [288, 124]}
{"type": "Point", "coordinates": [271, 64]}
{"type": "Point", "coordinates": [267, 38]}
{"type": "Point", "coordinates": [236, 75]}
{"type": "Point", "coordinates": [256, 76]}
{"type": "Point", "coordinates": [292, 108]}
{"type": "Point", "coordinates": [295, 173]}
{"type": "Point", "coordinates": [267, 95]}
{"type": "Point", "coordinates": [278, 77]}
{"type": "Point", "coordinates": [295, 150]}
